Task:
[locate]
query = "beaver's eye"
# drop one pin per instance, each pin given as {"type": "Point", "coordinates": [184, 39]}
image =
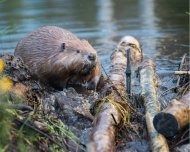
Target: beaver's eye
{"type": "Point", "coordinates": [62, 47]}
{"type": "Point", "coordinates": [78, 51]}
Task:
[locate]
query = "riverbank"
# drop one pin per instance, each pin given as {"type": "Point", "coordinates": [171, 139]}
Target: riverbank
{"type": "Point", "coordinates": [35, 117]}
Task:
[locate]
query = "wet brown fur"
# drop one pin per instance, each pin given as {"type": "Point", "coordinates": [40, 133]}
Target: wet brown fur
{"type": "Point", "coordinates": [57, 56]}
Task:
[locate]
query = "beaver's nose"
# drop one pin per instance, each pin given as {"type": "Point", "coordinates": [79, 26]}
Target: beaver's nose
{"type": "Point", "coordinates": [92, 57]}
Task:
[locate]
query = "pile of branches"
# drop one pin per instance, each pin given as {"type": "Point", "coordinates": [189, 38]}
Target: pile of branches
{"type": "Point", "coordinates": [31, 117]}
{"type": "Point", "coordinates": [175, 104]}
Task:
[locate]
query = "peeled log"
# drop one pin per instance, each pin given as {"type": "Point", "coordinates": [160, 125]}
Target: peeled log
{"type": "Point", "coordinates": [152, 106]}
{"type": "Point", "coordinates": [174, 118]}
{"type": "Point", "coordinates": [102, 138]}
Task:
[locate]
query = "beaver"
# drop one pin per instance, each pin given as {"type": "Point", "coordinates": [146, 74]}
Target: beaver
{"type": "Point", "coordinates": [58, 57]}
{"type": "Point", "coordinates": [135, 48]}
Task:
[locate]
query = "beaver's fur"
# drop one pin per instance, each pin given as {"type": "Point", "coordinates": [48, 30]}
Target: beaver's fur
{"type": "Point", "coordinates": [57, 56]}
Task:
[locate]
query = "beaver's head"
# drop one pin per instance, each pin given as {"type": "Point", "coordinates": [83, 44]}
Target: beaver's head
{"type": "Point", "coordinates": [76, 56]}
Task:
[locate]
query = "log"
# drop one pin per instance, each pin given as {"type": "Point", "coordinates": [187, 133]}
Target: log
{"type": "Point", "coordinates": [102, 137]}
{"type": "Point", "coordinates": [152, 106]}
{"type": "Point", "coordinates": [103, 134]}
{"type": "Point", "coordinates": [174, 118]}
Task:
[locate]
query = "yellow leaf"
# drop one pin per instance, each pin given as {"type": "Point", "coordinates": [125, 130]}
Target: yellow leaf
{"type": "Point", "coordinates": [5, 84]}
{"type": "Point", "coordinates": [1, 65]}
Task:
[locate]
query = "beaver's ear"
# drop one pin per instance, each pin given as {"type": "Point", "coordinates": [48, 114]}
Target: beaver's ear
{"type": "Point", "coordinates": [62, 47]}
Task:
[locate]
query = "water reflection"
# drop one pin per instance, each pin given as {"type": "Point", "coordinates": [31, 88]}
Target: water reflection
{"type": "Point", "coordinates": [106, 26]}
{"type": "Point", "coordinates": [162, 26]}
{"type": "Point", "coordinates": [149, 27]}
{"type": "Point", "coordinates": [174, 24]}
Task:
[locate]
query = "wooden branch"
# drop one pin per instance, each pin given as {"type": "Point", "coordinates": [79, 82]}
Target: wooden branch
{"type": "Point", "coordinates": [174, 118]}
{"type": "Point", "coordinates": [175, 72]}
{"type": "Point", "coordinates": [180, 68]}
{"type": "Point", "coordinates": [103, 134]}
{"type": "Point", "coordinates": [102, 138]}
{"type": "Point", "coordinates": [148, 85]}
{"type": "Point", "coordinates": [181, 72]}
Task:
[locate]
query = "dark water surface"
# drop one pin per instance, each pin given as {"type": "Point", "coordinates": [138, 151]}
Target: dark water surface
{"type": "Point", "coordinates": [162, 26]}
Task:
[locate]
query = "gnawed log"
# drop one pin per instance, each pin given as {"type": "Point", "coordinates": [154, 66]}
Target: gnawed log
{"type": "Point", "coordinates": [148, 85]}
{"type": "Point", "coordinates": [174, 118]}
{"type": "Point", "coordinates": [114, 109]}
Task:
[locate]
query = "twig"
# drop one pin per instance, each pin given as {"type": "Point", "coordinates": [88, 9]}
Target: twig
{"type": "Point", "coordinates": [180, 68]}
{"type": "Point", "coordinates": [181, 141]}
{"type": "Point", "coordinates": [179, 72]}
{"type": "Point", "coordinates": [185, 89]}
{"type": "Point", "coordinates": [185, 86]}
{"type": "Point", "coordinates": [22, 107]}
{"type": "Point", "coordinates": [185, 133]}
{"type": "Point", "coordinates": [172, 88]}
{"type": "Point", "coordinates": [114, 119]}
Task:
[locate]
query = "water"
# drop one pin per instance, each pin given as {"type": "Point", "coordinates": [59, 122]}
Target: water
{"type": "Point", "coordinates": [161, 26]}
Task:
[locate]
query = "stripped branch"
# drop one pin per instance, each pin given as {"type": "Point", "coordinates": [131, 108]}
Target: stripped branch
{"type": "Point", "coordinates": [103, 135]}
{"type": "Point", "coordinates": [175, 72]}
{"type": "Point", "coordinates": [152, 106]}
{"type": "Point", "coordinates": [180, 68]}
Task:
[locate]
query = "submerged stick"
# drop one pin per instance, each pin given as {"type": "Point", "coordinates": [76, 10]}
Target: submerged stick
{"type": "Point", "coordinates": [174, 118]}
{"type": "Point", "coordinates": [152, 106]}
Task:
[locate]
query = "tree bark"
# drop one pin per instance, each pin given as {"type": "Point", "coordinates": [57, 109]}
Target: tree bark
{"type": "Point", "coordinates": [174, 118]}
{"type": "Point", "coordinates": [148, 85]}
{"type": "Point", "coordinates": [102, 138]}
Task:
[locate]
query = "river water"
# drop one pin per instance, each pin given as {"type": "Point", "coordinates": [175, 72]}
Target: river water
{"type": "Point", "coordinates": [162, 26]}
